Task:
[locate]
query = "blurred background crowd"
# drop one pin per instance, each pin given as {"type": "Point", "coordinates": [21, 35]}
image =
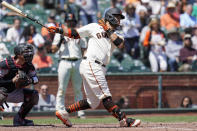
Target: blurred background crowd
{"type": "Point", "coordinates": [160, 35]}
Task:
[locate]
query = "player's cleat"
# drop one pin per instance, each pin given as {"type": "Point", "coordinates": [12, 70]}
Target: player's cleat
{"type": "Point", "coordinates": [18, 121]}
{"type": "Point", "coordinates": [129, 122]}
{"type": "Point", "coordinates": [63, 116]}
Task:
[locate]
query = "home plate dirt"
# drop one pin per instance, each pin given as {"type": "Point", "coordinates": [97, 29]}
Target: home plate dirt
{"type": "Point", "coordinates": [145, 126]}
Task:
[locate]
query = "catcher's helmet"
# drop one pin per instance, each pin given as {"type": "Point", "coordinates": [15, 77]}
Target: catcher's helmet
{"type": "Point", "coordinates": [110, 16]}
{"type": "Point", "coordinates": [26, 50]}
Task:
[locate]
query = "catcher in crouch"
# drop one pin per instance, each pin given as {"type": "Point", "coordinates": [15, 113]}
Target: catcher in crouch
{"type": "Point", "coordinates": [16, 73]}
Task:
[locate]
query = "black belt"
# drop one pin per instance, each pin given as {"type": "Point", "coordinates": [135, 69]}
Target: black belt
{"type": "Point", "coordinates": [70, 59]}
{"type": "Point", "coordinates": [98, 62]}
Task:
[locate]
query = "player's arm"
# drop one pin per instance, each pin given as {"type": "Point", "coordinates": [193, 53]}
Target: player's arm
{"type": "Point", "coordinates": [69, 32]}
{"type": "Point", "coordinates": [82, 32]}
{"type": "Point", "coordinates": [116, 40]}
{"type": "Point", "coordinates": [57, 41]}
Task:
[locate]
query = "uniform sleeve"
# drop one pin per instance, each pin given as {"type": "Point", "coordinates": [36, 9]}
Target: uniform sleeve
{"type": "Point", "coordinates": [83, 43]}
{"type": "Point", "coordinates": [56, 39]}
{"type": "Point", "coordinates": [86, 30]}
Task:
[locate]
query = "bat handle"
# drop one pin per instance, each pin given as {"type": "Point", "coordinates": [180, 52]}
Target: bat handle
{"type": "Point", "coordinates": [36, 21]}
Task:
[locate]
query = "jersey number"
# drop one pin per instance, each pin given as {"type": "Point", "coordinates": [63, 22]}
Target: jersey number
{"type": "Point", "coordinates": [102, 34]}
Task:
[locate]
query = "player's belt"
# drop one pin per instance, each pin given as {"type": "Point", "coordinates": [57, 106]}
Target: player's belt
{"type": "Point", "coordinates": [70, 59]}
{"type": "Point", "coordinates": [98, 62]}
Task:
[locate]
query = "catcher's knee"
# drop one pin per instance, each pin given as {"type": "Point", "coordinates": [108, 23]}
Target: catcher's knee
{"type": "Point", "coordinates": [32, 97]}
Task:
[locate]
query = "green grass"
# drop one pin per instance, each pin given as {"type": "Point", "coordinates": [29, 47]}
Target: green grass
{"type": "Point", "coordinates": [109, 120]}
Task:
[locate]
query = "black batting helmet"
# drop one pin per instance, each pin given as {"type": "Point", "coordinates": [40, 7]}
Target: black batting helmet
{"type": "Point", "coordinates": [70, 17]}
{"type": "Point", "coordinates": [110, 15]}
{"type": "Point", "coordinates": [26, 50]}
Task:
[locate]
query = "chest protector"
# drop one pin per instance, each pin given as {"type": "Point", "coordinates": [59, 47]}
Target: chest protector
{"type": "Point", "coordinates": [9, 65]}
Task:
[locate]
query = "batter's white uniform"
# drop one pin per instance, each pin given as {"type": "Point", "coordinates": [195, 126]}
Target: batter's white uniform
{"type": "Point", "coordinates": [70, 59]}
{"type": "Point", "coordinates": [100, 49]}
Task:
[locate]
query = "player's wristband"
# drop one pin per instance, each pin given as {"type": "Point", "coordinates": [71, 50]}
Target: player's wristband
{"type": "Point", "coordinates": [118, 41]}
{"type": "Point", "coordinates": [109, 32]}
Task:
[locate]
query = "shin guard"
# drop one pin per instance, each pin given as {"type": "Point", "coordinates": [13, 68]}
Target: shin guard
{"type": "Point", "coordinates": [30, 99]}
{"type": "Point", "coordinates": [113, 109]}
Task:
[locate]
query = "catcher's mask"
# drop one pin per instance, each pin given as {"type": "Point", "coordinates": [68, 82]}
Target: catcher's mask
{"type": "Point", "coordinates": [111, 16]}
{"type": "Point", "coordinates": [26, 50]}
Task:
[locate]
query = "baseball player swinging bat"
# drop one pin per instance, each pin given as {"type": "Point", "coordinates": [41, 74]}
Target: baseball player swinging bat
{"type": "Point", "coordinates": [14, 9]}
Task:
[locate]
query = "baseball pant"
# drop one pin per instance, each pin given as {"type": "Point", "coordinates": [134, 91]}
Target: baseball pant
{"type": "Point", "coordinates": [94, 81]}
{"type": "Point", "coordinates": [16, 96]}
{"type": "Point", "coordinates": [67, 70]}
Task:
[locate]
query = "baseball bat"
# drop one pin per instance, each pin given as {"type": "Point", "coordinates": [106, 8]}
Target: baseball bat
{"type": "Point", "coordinates": [14, 9]}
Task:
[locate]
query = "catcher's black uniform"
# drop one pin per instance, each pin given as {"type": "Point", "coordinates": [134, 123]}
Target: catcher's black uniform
{"type": "Point", "coordinates": [9, 92]}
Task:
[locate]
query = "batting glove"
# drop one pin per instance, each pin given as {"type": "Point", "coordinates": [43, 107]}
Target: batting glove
{"type": "Point", "coordinates": [53, 29]}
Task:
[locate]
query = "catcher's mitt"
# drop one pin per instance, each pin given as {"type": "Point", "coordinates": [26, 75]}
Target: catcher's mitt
{"type": "Point", "coordinates": [23, 79]}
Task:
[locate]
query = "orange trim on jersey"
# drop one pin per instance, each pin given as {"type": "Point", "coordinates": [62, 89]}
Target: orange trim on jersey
{"type": "Point", "coordinates": [95, 78]}
{"type": "Point", "coordinates": [111, 109]}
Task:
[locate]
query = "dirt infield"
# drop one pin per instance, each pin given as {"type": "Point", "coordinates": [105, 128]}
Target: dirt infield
{"type": "Point", "coordinates": [107, 127]}
{"type": "Point", "coordinates": [145, 126]}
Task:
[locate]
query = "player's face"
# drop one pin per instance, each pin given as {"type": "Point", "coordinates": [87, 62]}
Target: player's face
{"type": "Point", "coordinates": [21, 59]}
{"type": "Point", "coordinates": [118, 17]}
